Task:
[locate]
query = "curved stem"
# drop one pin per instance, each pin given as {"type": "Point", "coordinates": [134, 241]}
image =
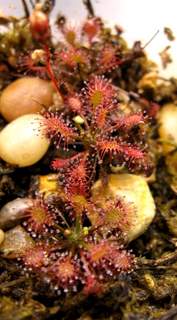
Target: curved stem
{"type": "Point", "coordinates": [89, 8]}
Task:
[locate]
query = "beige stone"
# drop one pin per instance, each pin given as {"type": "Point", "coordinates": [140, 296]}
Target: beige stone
{"type": "Point", "coordinates": [25, 95]}
{"type": "Point", "coordinates": [168, 127]}
{"type": "Point", "coordinates": [22, 142]}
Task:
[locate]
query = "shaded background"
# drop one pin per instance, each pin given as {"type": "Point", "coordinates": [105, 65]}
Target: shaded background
{"type": "Point", "coordinates": [140, 19]}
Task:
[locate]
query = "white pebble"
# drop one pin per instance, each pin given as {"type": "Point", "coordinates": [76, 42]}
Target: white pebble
{"type": "Point", "coordinates": [78, 120]}
{"type": "Point", "coordinates": [22, 142]}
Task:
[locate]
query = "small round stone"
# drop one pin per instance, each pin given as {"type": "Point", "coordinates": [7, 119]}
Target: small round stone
{"type": "Point", "coordinates": [48, 184]}
{"type": "Point", "coordinates": [13, 212]}
{"type": "Point", "coordinates": [22, 142]}
{"type": "Point", "coordinates": [134, 190]}
{"type": "Point", "coordinates": [24, 96]}
{"type": "Point", "coordinates": [2, 236]}
{"type": "Point", "coordinates": [16, 241]}
{"type": "Point", "coordinates": [168, 127]}
{"type": "Point", "coordinates": [78, 120]}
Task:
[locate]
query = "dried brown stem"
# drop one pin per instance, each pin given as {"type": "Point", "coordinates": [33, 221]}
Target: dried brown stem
{"type": "Point", "coordinates": [170, 258]}
{"type": "Point", "coordinates": [25, 7]}
{"type": "Point", "coordinates": [151, 39]}
{"type": "Point", "coordinates": [32, 3]}
{"type": "Point", "coordinates": [89, 7]}
{"type": "Point", "coordinates": [170, 315]}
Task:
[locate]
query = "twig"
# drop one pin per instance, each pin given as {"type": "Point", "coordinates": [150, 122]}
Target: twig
{"type": "Point", "coordinates": [170, 315]}
{"type": "Point", "coordinates": [32, 3]}
{"type": "Point", "coordinates": [12, 283]}
{"type": "Point", "coordinates": [89, 7]}
{"type": "Point", "coordinates": [25, 7]}
{"type": "Point", "coordinates": [168, 259]}
{"type": "Point", "coordinates": [151, 39]}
